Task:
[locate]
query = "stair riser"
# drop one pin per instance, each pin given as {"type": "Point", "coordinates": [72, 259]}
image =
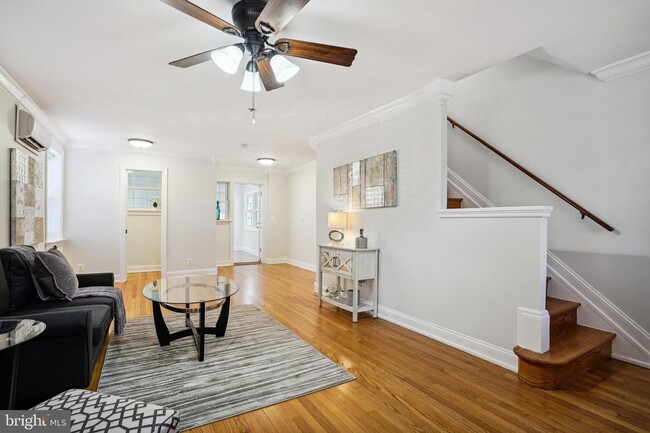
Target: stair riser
{"type": "Point", "coordinates": [563, 323]}
{"type": "Point", "coordinates": [560, 377]}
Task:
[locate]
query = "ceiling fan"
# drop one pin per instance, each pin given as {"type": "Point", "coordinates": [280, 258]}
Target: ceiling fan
{"type": "Point", "coordinates": [256, 21]}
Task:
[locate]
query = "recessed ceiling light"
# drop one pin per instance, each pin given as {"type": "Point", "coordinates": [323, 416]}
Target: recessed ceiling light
{"type": "Point", "coordinates": [266, 161]}
{"type": "Point", "coordinates": [140, 143]}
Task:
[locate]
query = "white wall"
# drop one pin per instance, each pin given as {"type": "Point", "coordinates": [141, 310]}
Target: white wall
{"type": "Point", "coordinates": [302, 217]}
{"type": "Point", "coordinates": [143, 241]}
{"type": "Point", "coordinates": [92, 211]}
{"type": "Point", "coordinates": [459, 280]}
{"type": "Point", "coordinates": [586, 138]}
{"type": "Point", "coordinates": [7, 122]}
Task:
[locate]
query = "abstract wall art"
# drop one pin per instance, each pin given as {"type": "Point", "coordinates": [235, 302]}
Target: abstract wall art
{"type": "Point", "coordinates": [365, 184]}
{"type": "Point", "coordinates": [27, 199]}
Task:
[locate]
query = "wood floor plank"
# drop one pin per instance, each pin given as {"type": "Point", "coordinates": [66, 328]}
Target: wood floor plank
{"type": "Point", "coordinates": [407, 382]}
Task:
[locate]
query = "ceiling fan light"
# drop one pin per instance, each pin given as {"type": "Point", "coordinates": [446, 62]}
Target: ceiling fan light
{"type": "Point", "coordinates": [140, 143]}
{"type": "Point", "coordinates": [228, 58]}
{"type": "Point", "coordinates": [266, 161]}
{"type": "Point", "coordinates": [251, 81]}
{"type": "Point", "coordinates": [284, 70]}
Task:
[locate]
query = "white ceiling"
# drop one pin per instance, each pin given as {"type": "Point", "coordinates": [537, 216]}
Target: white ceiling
{"type": "Point", "coordinates": [99, 68]}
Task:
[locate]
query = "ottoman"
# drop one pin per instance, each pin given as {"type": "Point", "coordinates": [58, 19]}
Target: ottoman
{"type": "Point", "coordinates": [92, 412]}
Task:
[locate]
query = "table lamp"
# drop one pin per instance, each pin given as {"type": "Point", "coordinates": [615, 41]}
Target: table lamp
{"type": "Point", "coordinates": [335, 221]}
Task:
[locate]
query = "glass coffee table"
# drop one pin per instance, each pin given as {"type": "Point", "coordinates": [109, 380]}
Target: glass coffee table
{"type": "Point", "coordinates": [191, 294]}
{"type": "Point", "coordinates": [13, 333]}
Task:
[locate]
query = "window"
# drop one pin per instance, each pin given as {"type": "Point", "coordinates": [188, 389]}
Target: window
{"type": "Point", "coordinates": [252, 211]}
{"type": "Point", "coordinates": [222, 200]}
{"type": "Point", "coordinates": [54, 205]}
{"type": "Point", "coordinates": [144, 189]}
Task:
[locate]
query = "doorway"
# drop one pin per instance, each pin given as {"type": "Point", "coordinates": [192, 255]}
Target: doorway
{"type": "Point", "coordinates": [144, 192]}
{"type": "Point", "coordinates": [247, 220]}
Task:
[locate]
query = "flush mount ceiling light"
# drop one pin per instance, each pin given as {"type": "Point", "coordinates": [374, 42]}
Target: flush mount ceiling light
{"type": "Point", "coordinates": [140, 143]}
{"type": "Point", "coordinates": [266, 161]}
{"type": "Point", "coordinates": [256, 21]}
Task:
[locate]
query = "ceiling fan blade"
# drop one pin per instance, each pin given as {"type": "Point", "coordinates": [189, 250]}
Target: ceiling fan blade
{"type": "Point", "coordinates": [193, 60]}
{"type": "Point", "coordinates": [268, 76]}
{"type": "Point", "coordinates": [202, 15]}
{"type": "Point", "coordinates": [277, 14]}
{"type": "Point", "coordinates": [318, 52]}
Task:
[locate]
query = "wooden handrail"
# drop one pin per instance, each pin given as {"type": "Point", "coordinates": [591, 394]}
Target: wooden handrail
{"type": "Point", "coordinates": [583, 212]}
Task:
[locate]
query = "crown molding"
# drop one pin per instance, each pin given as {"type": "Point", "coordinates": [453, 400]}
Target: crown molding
{"type": "Point", "coordinates": [623, 68]}
{"type": "Point", "coordinates": [22, 98]}
{"type": "Point", "coordinates": [302, 166]}
{"type": "Point", "coordinates": [438, 90]}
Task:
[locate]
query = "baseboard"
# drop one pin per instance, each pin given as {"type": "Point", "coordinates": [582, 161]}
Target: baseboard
{"type": "Point", "coordinates": [302, 265]}
{"type": "Point", "coordinates": [622, 324]}
{"type": "Point", "coordinates": [631, 360]}
{"type": "Point", "coordinates": [224, 263]}
{"type": "Point", "coordinates": [119, 278]}
{"type": "Point", "coordinates": [487, 351]}
{"type": "Point", "coordinates": [143, 268]}
{"type": "Point", "coordinates": [275, 261]}
{"type": "Point", "coordinates": [206, 271]}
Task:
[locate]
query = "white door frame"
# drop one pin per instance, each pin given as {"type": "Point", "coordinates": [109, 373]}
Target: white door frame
{"type": "Point", "coordinates": [123, 200]}
{"type": "Point", "coordinates": [262, 210]}
{"type": "Point", "coordinates": [264, 206]}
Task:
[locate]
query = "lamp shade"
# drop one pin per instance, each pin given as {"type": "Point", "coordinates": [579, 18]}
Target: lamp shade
{"type": "Point", "coordinates": [283, 68]}
{"type": "Point", "coordinates": [228, 58]}
{"type": "Point", "coordinates": [251, 81]}
{"type": "Point", "coordinates": [337, 220]}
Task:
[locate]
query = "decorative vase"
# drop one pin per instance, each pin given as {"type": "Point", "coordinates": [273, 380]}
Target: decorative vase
{"type": "Point", "coordinates": [361, 242]}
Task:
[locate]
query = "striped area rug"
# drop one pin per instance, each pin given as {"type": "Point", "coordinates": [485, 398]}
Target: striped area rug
{"type": "Point", "coordinates": [257, 363]}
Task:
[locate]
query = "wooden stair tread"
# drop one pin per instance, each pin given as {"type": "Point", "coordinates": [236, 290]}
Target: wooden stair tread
{"type": "Point", "coordinates": [572, 346]}
{"type": "Point", "coordinates": [454, 203]}
{"type": "Point", "coordinates": [556, 306]}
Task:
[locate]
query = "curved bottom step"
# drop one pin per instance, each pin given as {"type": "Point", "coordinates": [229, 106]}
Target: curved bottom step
{"type": "Point", "coordinates": [570, 356]}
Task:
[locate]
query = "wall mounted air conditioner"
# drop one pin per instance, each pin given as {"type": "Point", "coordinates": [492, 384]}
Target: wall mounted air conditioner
{"type": "Point", "coordinates": [30, 133]}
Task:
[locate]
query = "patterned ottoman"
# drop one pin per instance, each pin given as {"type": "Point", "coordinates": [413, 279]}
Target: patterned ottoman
{"type": "Point", "coordinates": [92, 412]}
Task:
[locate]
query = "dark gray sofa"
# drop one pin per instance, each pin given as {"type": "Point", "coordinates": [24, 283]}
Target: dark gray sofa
{"type": "Point", "coordinates": [64, 356]}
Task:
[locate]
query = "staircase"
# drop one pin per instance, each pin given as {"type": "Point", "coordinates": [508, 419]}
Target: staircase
{"type": "Point", "coordinates": [574, 350]}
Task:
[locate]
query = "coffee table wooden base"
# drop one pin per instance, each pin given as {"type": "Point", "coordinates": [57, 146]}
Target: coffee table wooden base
{"type": "Point", "coordinates": [197, 332]}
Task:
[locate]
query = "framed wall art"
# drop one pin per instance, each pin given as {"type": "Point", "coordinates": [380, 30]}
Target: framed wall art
{"type": "Point", "coordinates": [366, 184]}
{"type": "Point", "coordinates": [27, 201]}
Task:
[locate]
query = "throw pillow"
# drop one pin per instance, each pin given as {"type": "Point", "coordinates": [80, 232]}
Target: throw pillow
{"type": "Point", "coordinates": [17, 262]}
{"type": "Point", "coordinates": [56, 278]}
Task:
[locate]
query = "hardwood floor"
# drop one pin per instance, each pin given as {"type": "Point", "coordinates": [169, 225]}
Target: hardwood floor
{"type": "Point", "coordinates": [409, 383]}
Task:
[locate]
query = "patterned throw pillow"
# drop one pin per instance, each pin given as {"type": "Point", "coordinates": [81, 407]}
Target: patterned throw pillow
{"type": "Point", "coordinates": [56, 278]}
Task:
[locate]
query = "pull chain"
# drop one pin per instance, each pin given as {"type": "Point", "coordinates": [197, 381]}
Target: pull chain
{"type": "Point", "coordinates": [252, 109]}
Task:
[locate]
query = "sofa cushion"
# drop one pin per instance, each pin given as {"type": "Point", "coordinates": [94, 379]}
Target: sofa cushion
{"type": "Point", "coordinates": [101, 308]}
{"type": "Point", "coordinates": [56, 278]}
{"type": "Point", "coordinates": [17, 265]}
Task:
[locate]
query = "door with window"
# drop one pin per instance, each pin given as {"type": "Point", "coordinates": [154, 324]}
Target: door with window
{"type": "Point", "coordinates": [143, 221]}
